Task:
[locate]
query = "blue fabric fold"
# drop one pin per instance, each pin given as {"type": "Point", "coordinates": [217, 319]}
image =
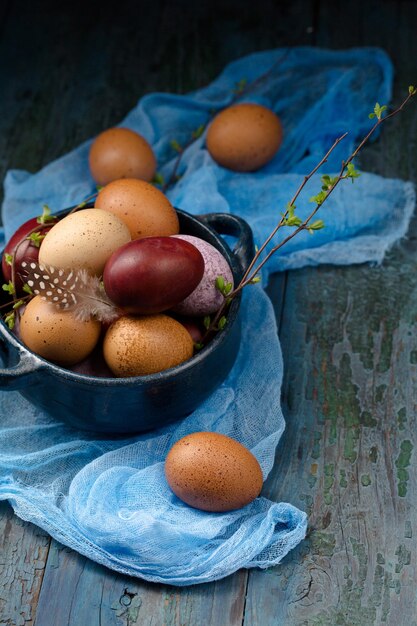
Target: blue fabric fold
{"type": "Point", "coordinates": [108, 498]}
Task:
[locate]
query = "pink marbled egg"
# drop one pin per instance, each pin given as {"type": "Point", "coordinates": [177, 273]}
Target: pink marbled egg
{"type": "Point", "coordinates": [206, 298]}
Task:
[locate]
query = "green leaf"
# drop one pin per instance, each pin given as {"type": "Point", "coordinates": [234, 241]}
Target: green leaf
{"type": "Point", "coordinates": [328, 182]}
{"type": "Point", "coordinates": [10, 320]}
{"type": "Point", "coordinates": [320, 198]}
{"type": "Point", "coordinates": [293, 221]}
{"type": "Point", "coordinates": [9, 287]}
{"type": "Point", "coordinates": [227, 289]}
{"type": "Point", "coordinates": [198, 345]}
{"type": "Point", "coordinates": [378, 110]}
{"type": "Point", "coordinates": [36, 238]}
{"type": "Point", "coordinates": [222, 322]}
{"type": "Point", "coordinates": [219, 283]}
{"type": "Point", "coordinates": [207, 322]}
{"type": "Point", "coordinates": [412, 90]}
{"type": "Point", "coordinates": [352, 173]}
{"type": "Point", "coordinates": [18, 304]}
{"type": "Point", "coordinates": [255, 279]}
{"type": "Point", "coordinates": [27, 289]}
{"type": "Point", "coordinates": [158, 179]}
{"type": "Point", "coordinates": [317, 225]}
{"type": "Point", "coordinates": [175, 145]}
{"type": "Point", "coordinates": [82, 204]}
{"type": "Point", "coordinates": [46, 216]}
{"type": "Point", "coordinates": [196, 134]}
{"type": "Point", "coordinates": [371, 116]}
{"type": "Point", "coordinates": [99, 188]}
{"type": "Point", "coordinates": [8, 258]}
{"type": "Point", "coordinates": [290, 209]}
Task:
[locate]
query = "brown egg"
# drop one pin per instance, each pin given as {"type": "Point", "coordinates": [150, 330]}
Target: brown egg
{"type": "Point", "coordinates": [85, 239]}
{"type": "Point", "coordinates": [144, 209]}
{"type": "Point", "coordinates": [121, 153]}
{"type": "Point", "coordinates": [56, 335]}
{"type": "Point", "coordinates": [244, 137]}
{"type": "Point", "coordinates": [137, 346]}
{"type": "Point", "coordinates": [212, 472]}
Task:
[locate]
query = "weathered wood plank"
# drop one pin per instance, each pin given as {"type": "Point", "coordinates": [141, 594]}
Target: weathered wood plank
{"type": "Point", "coordinates": [76, 591]}
{"type": "Point", "coordinates": [23, 552]}
{"type": "Point", "coordinates": [350, 393]}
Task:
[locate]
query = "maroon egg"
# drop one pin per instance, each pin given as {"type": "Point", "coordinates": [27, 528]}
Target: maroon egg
{"type": "Point", "coordinates": [93, 365]}
{"type": "Point", "coordinates": [153, 274]}
{"type": "Point", "coordinates": [194, 326]}
{"type": "Point", "coordinates": [26, 250]}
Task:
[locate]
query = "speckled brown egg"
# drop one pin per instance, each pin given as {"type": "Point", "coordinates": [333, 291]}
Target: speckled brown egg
{"type": "Point", "coordinates": [56, 335]}
{"type": "Point", "coordinates": [85, 239]}
{"type": "Point", "coordinates": [137, 346]}
{"type": "Point", "coordinates": [212, 472]}
{"type": "Point", "coordinates": [145, 210]}
{"type": "Point", "coordinates": [121, 153]}
{"type": "Point", "coordinates": [244, 137]}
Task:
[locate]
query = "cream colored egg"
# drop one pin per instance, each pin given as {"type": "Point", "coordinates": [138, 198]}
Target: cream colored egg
{"type": "Point", "coordinates": [85, 239]}
{"type": "Point", "coordinates": [57, 335]}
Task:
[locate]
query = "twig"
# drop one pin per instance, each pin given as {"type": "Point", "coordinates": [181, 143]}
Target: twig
{"type": "Point", "coordinates": [253, 269]}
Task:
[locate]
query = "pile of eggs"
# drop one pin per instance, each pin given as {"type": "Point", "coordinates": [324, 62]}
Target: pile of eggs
{"type": "Point", "coordinates": [161, 282]}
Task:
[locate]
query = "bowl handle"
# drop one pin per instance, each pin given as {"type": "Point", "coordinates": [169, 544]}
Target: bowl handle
{"type": "Point", "coordinates": [22, 373]}
{"type": "Point", "coordinates": [228, 224]}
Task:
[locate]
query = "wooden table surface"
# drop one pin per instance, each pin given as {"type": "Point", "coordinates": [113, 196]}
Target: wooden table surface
{"type": "Point", "coordinates": [69, 70]}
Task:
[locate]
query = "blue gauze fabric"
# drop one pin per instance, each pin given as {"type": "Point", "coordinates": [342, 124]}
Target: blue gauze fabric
{"type": "Point", "coordinates": [108, 498]}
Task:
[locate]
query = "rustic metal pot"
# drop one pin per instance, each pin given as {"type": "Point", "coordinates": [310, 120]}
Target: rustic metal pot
{"type": "Point", "coordinates": [128, 405]}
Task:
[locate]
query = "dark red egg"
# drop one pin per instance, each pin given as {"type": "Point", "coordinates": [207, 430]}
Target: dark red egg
{"type": "Point", "coordinates": [26, 250]}
{"type": "Point", "coordinates": [194, 326]}
{"type": "Point", "coordinates": [153, 274]}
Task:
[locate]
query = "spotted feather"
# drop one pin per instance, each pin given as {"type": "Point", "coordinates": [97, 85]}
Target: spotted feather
{"type": "Point", "coordinates": [69, 290]}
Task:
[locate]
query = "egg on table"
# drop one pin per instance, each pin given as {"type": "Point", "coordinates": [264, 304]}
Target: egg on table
{"type": "Point", "coordinates": [213, 472]}
{"type": "Point", "coordinates": [84, 239]}
{"type": "Point", "coordinates": [142, 207]}
{"type": "Point", "coordinates": [56, 335]}
{"type": "Point", "coordinates": [244, 137]}
{"type": "Point", "coordinates": [121, 153]}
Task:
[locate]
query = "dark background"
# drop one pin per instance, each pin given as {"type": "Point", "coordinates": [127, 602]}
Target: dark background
{"type": "Point", "coordinates": [70, 69]}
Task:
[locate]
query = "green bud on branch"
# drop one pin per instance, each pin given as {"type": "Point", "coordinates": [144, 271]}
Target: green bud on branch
{"type": "Point", "coordinates": [378, 111]}
{"type": "Point", "coordinates": [158, 179]}
{"type": "Point", "coordinates": [10, 319]}
{"type": "Point", "coordinates": [9, 287]}
{"type": "Point", "coordinates": [36, 238]}
{"type": "Point", "coordinates": [46, 216]}
{"type": "Point", "coordinates": [175, 145]}
{"type": "Point", "coordinates": [240, 86]}
{"type": "Point", "coordinates": [222, 322]}
{"type": "Point", "coordinates": [196, 134]}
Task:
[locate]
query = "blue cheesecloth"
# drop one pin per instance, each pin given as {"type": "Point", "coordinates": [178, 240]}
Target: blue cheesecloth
{"type": "Point", "coordinates": [108, 498]}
